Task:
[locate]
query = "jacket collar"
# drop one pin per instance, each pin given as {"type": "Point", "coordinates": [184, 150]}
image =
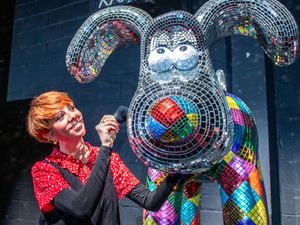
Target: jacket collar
{"type": "Point", "coordinates": [68, 162]}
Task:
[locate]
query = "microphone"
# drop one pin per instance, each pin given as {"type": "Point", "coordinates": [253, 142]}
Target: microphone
{"type": "Point", "coordinates": [121, 117]}
{"type": "Point", "coordinates": [121, 114]}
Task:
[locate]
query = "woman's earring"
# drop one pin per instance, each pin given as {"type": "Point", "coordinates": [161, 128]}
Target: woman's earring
{"type": "Point", "coordinates": [54, 142]}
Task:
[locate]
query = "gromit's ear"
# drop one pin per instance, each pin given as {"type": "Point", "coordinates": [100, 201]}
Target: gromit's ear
{"type": "Point", "coordinates": [100, 35]}
{"type": "Point", "coordinates": [267, 21]}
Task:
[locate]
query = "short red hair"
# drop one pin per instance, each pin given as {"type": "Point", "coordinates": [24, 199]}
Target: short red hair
{"type": "Point", "coordinates": [42, 109]}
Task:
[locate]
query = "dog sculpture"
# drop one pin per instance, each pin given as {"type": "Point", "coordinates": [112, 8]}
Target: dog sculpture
{"type": "Point", "coordinates": [180, 119]}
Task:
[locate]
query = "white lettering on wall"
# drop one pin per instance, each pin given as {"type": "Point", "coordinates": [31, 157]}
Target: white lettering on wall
{"type": "Point", "coordinates": [106, 3]}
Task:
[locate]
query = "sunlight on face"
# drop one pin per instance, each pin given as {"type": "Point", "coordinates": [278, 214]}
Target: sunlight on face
{"type": "Point", "coordinates": [67, 124]}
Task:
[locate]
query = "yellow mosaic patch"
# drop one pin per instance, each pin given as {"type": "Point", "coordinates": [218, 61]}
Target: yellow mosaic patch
{"type": "Point", "coordinates": [258, 214]}
{"type": "Point", "coordinates": [193, 117]}
{"type": "Point", "coordinates": [229, 156]}
{"type": "Point", "coordinates": [149, 221]}
{"type": "Point", "coordinates": [195, 200]}
{"type": "Point", "coordinates": [231, 103]}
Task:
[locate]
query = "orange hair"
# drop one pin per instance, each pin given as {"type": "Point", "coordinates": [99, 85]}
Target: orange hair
{"type": "Point", "coordinates": [42, 109]}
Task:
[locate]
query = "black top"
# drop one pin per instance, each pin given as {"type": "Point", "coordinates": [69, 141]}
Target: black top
{"type": "Point", "coordinates": [96, 203]}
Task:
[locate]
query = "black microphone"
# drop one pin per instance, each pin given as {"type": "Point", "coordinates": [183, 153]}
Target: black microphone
{"type": "Point", "coordinates": [121, 117]}
{"type": "Point", "coordinates": [121, 114]}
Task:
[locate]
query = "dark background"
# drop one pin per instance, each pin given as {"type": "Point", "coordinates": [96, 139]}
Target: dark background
{"type": "Point", "coordinates": [34, 37]}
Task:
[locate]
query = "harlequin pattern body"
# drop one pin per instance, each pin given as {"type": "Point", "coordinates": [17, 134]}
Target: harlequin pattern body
{"type": "Point", "coordinates": [240, 181]}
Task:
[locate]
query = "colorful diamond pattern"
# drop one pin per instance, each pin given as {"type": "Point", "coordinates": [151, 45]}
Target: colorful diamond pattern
{"type": "Point", "coordinates": [181, 207]}
{"type": "Point", "coordinates": [172, 119]}
{"type": "Point", "coordinates": [244, 197]}
{"type": "Point", "coordinates": [238, 175]}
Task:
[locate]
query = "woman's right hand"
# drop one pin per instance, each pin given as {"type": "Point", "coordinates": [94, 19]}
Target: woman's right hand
{"type": "Point", "coordinates": [107, 130]}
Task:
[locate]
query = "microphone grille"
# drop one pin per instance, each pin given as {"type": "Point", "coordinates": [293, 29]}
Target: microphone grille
{"type": "Point", "coordinates": [121, 114]}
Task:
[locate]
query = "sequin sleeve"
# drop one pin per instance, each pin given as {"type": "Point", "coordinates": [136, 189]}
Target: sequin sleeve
{"type": "Point", "coordinates": [47, 183]}
{"type": "Point", "coordinates": [124, 180]}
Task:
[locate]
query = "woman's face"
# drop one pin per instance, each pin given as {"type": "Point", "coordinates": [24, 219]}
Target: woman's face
{"type": "Point", "coordinates": [67, 124]}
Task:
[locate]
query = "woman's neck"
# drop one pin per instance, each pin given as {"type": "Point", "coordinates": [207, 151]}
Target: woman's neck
{"type": "Point", "coordinates": [77, 149]}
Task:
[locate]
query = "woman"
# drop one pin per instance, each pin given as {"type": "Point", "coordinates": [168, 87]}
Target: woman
{"type": "Point", "coordinates": [79, 183]}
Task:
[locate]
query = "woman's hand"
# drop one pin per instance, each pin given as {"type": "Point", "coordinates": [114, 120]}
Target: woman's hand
{"type": "Point", "coordinates": [107, 130]}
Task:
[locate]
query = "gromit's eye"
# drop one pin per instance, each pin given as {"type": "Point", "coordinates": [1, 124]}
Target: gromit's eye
{"type": "Point", "coordinates": [160, 60]}
{"type": "Point", "coordinates": [185, 57]}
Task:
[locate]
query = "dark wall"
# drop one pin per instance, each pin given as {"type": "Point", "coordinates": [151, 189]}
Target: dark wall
{"type": "Point", "coordinates": [18, 153]}
{"type": "Point", "coordinates": [287, 97]}
{"type": "Point", "coordinates": [41, 34]}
